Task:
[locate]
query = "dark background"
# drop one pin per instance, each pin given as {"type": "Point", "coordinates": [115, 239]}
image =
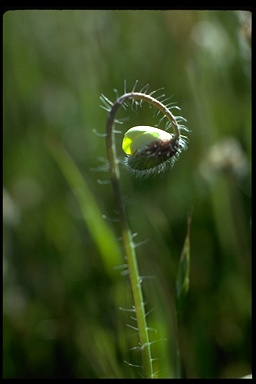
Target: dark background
{"type": "Point", "coordinates": [62, 290]}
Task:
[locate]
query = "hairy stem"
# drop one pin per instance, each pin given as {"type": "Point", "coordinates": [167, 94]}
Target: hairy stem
{"type": "Point", "coordinates": [126, 232]}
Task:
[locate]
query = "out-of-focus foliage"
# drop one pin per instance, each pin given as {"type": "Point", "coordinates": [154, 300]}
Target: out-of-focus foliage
{"type": "Point", "coordinates": [61, 305]}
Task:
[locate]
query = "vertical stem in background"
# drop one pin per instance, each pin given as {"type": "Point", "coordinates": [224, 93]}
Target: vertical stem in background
{"type": "Point", "coordinates": [126, 232]}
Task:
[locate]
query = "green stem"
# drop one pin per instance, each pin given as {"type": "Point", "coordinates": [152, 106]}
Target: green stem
{"type": "Point", "coordinates": [126, 232]}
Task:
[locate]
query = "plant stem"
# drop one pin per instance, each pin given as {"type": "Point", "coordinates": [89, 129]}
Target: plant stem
{"type": "Point", "coordinates": [126, 232]}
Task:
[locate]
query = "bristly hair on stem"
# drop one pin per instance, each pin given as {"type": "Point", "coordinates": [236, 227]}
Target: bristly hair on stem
{"type": "Point", "coordinates": [148, 150]}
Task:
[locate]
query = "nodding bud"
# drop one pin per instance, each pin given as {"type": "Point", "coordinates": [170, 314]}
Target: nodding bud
{"type": "Point", "coordinates": [149, 150]}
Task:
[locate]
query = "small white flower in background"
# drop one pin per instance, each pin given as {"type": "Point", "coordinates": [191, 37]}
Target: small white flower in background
{"type": "Point", "coordinates": [226, 155]}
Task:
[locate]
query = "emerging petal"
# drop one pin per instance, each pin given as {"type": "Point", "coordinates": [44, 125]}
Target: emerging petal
{"type": "Point", "coordinates": [137, 138]}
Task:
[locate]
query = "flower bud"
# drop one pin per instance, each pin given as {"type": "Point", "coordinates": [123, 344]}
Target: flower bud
{"type": "Point", "coordinates": [149, 149]}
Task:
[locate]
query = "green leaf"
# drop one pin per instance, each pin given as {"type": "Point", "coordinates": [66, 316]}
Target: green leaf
{"type": "Point", "coordinates": [182, 280]}
{"type": "Point", "coordinates": [100, 232]}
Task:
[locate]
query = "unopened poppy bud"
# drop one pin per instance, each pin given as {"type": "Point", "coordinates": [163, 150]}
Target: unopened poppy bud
{"type": "Point", "coordinates": [149, 150]}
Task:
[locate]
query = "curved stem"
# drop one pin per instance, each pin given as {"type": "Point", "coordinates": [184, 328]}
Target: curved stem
{"type": "Point", "coordinates": [126, 232]}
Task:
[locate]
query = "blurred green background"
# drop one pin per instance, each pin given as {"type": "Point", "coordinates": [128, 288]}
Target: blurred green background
{"type": "Point", "coordinates": [62, 287]}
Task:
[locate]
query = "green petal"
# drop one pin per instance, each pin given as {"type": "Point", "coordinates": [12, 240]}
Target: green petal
{"type": "Point", "coordinates": [140, 136]}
